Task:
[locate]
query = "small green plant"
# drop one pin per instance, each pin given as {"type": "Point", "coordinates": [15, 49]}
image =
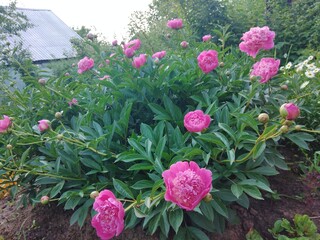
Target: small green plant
{"type": "Point", "coordinates": [303, 228]}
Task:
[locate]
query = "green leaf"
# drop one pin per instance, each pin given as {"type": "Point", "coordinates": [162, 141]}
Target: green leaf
{"type": "Point", "coordinates": [56, 189]}
{"type": "Point", "coordinates": [72, 202]}
{"type": "Point", "coordinates": [228, 130]}
{"type": "Point", "coordinates": [266, 170]}
{"type": "Point", "coordinates": [175, 219]}
{"type": "Point", "coordinates": [139, 213]}
{"type": "Point", "coordinates": [122, 188]}
{"type": "Point", "coordinates": [140, 166]}
{"type": "Point", "coordinates": [142, 184]}
{"type": "Point", "coordinates": [161, 113]}
{"type": "Point", "coordinates": [259, 148]}
{"type": "Point", "coordinates": [137, 146]}
{"type": "Point", "coordinates": [254, 182]}
{"type": "Point", "coordinates": [252, 191]}
{"type": "Point", "coordinates": [223, 139]}
{"type": "Point", "coordinates": [130, 157]}
{"type": "Point", "coordinates": [197, 233]}
{"type": "Point", "coordinates": [160, 147]}
{"type": "Point", "coordinates": [300, 139]}
{"type": "Point", "coordinates": [209, 137]}
{"type": "Point", "coordinates": [81, 213]}
{"type": "Point", "coordinates": [218, 205]}
{"type": "Point", "coordinates": [91, 163]}
{"type": "Point", "coordinates": [237, 190]}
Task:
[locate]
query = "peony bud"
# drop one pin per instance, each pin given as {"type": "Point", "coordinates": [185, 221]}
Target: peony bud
{"type": "Point", "coordinates": [263, 118]}
{"type": "Point", "coordinates": [221, 64]}
{"type": "Point", "coordinates": [42, 81]}
{"type": "Point", "coordinates": [44, 200]}
{"type": "Point", "coordinates": [58, 115]}
{"type": "Point", "coordinates": [284, 87]}
{"type": "Point", "coordinates": [207, 198]}
{"type": "Point", "coordinates": [94, 194]}
{"type": "Point", "coordinates": [114, 43]}
{"type": "Point", "coordinates": [43, 125]}
{"type": "Point", "coordinates": [284, 129]}
{"type": "Point", "coordinates": [9, 146]}
{"type": "Point", "coordinates": [288, 123]}
{"type": "Point", "coordinates": [184, 44]}
{"type": "Point", "coordinates": [67, 74]}
{"type": "Point", "coordinates": [59, 137]}
{"type": "Point", "coordinates": [289, 111]}
{"type": "Point", "coordinates": [297, 127]}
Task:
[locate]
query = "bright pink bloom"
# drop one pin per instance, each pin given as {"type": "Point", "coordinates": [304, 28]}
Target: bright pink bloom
{"type": "Point", "coordinates": [114, 42]}
{"type": "Point", "coordinates": [290, 111]}
{"type": "Point", "coordinates": [206, 38]}
{"type": "Point", "coordinates": [256, 39]}
{"type": "Point", "coordinates": [129, 52]}
{"type": "Point", "coordinates": [43, 125]}
{"type": "Point", "coordinates": [4, 124]}
{"type": "Point", "coordinates": [109, 221]}
{"type": "Point", "coordinates": [186, 184]}
{"type": "Point", "coordinates": [184, 44]}
{"type": "Point", "coordinates": [104, 77]}
{"type": "Point", "coordinates": [208, 60]}
{"type": "Point", "coordinates": [266, 68]}
{"type": "Point", "coordinates": [85, 64]}
{"type": "Point", "coordinates": [159, 55]}
{"type": "Point", "coordinates": [133, 44]}
{"type": "Point", "coordinates": [175, 23]}
{"type": "Point", "coordinates": [73, 102]}
{"type": "Point", "coordinates": [196, 121]}
{"type": "Point", "coordinates": [107, 61]}
{"type": "Point", "coordinates": [138, 62]}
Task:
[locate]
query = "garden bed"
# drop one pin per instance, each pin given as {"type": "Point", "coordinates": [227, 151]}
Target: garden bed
{"type": "Point", "coordinates": [52, 222]}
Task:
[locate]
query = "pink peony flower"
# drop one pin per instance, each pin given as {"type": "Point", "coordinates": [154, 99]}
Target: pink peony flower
{"type": "Point", "coordinates": [114, 42]}
{"type": "Point", "coordinates": [256, 39]}
{"type": "Point", "coordinates": [73, 102]}
{"type": "Point", "coordinates": [109, 221]}
{"type": "Point", "coordinates": [266, 68]}
{"type": "Point", "coordinates": [85, 64]}
{"type": "Point", "coordinates": [184, 44]}
{"type": "Point", "coordinates": [186, 184]}
{"type": "Point", "coordinates": [129, 52]}
{"type": "Point", "coordinates": [159, 55]}
{"type": "Point", "coordinates": [133, 44]}
{"type": "Point", "coordinates": [107, 61]}
{"type": "Point", "coordinates": [208, 60]}
{"type": "Point", "coordinates": [5, 123]}
{"type": "Point", "coordinates": [138, 62]}
{"type": "Point", "coordinates": [43, 125]}
{"type": "Point", "coordinates": [104, 77]}
{"type": "Point", "coordinates": [196, 121]}
{"type": "Point", "coordinates": [206, 38]}
{"type": "Point", "coordinates": [175, 23]}
{"type": "Point", "coordinates": [290, 111]}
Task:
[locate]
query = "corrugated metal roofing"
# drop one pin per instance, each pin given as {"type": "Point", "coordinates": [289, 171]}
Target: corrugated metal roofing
{"type": "Point", "coordinates": [49, 39]}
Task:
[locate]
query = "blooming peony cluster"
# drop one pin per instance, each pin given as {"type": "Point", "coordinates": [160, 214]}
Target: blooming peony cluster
{"type": "Point", "coordinates": [266, 68]}
{"type": "Point", "coordinates": [175, 23]}
{"type": "Point", "coordinates": [131, 47]}
{"type": "Point", "coordinates": [109, 220]}
{"type": "Point", "coordinates": [186, 184]}
{"type": "Point", "coordinates": [208, 60]}
{"type": "Point", "coordinates": [85, 64]}
{"type": "Point", "coordinates": [138, 62]}
{"type": "Point", "coordinates": [196, 121]}
{"type": "Point", "coordinates": [206, 38]}
{"type": "Point", "coordinates": [4, 124]}
{"type": "Point", "coordinates": [159, 55]}
{"type": "Point", "coordinates": [256, 39]}
{"type": "Point", "coordinates": [289, 111]}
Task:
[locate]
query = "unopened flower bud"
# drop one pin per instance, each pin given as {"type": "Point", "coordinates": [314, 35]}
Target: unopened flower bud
{"type": "Point", "coordinates": [289, 111]}
{"type": "Point", "coordinates": [67, 74]}
{"type": "Point", "coordinates": [252, 78]}
{"type": "Point", "coordinates": [90, 36]}
{"type": "Point", "coordinates": [59, 137]}
{"type": "Point", "coordinates": [114, 43]}
{"type": "Point", "coordinates": [263, 118]}
{"type": "Point", "coordinates": [44, 200]}
{"type": "Point", "coordinates": [184, 44]}
{"type": "Point", "coordinates": [94, 194]}
{"type": "Point", "coordinates": [207, 198]}
{"type": "Point", "coordinates": [58, 115]}
{"type": "Point", "coordinates": [42, 81]}
{"type": "Point", "coordinates": [284, 87]}
{"type": "Point", "coordinates": [297, 127]}
{"type": "Point", "coordinates": [284, 129]}
{"type": "Point", "coordinates": [288, 123]}
{"type": "Point", "coordinates": [221, 64]}
{"type": "Point", "coordinates": [9, 146]}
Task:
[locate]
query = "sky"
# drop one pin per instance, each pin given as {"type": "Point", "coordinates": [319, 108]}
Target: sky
{"type": "Point", "coordinates": [108, 17]}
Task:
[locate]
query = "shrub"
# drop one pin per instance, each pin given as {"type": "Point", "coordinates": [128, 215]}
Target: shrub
{"type": "Point", "coordinates": [117, 129]}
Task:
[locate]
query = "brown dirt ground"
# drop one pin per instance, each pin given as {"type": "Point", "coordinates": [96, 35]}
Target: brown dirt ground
{"type": "Point", "coordinates": [50, 222]}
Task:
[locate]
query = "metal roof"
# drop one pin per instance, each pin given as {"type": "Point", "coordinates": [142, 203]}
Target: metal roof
{"type": "Point", "coordinates": [48, 39]}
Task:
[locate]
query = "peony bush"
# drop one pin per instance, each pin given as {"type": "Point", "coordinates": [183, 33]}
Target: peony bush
{"type": "Point", "coordinates": [167, 139]}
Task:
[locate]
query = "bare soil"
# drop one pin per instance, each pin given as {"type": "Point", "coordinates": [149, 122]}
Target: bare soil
{"type": "Point", "coordinates": [51, 222]}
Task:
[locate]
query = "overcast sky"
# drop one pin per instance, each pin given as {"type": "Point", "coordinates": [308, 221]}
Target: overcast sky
{"type": "Point", "coordinates": [109, 17]}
